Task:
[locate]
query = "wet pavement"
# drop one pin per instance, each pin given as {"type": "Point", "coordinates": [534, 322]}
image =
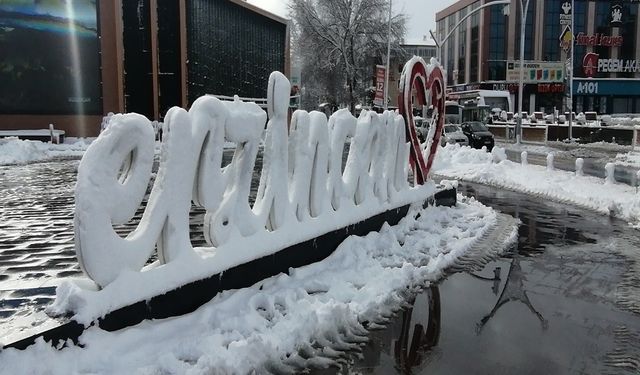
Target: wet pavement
{"type": "Point", "coordinates": [36, 234]}
{"type": "Point", "coordinates": [565, 300]}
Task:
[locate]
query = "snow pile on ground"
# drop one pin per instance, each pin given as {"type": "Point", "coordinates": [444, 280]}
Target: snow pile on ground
{"type": "Point", "coordinates": [593, 193]}
{"type": "Point", "coordinates": [629, 159]}
{"type": "Point", "coordinates": [288, 322]}
{"type": "Point", "coordinates": [17, 151]}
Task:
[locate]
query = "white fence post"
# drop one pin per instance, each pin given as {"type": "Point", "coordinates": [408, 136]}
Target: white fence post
{"type": "Point", "coordinates": [609, 169]}
{"type": "Point", "coordinates": [550, 161]}
{"type": "Point", "coordinates": [579, 164]}
{"type": "Point", "coordinates": [546, 133]}
{"type": "Point", "coordinates": [523, 158]}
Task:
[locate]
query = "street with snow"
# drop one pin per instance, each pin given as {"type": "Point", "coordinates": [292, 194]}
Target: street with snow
{"type": "Point", "coordinates": [535, 268]}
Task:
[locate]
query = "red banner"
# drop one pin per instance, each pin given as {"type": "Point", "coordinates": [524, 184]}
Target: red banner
{"type": "Point", "coordinates": [380, 73]}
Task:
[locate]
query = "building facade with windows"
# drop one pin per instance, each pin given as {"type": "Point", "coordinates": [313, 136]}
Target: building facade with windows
{"type": "Point", "coordinates": [484, 53]}
{"type": "Point", "coordinates": [70, 63]}
{"type": "Point", "coordinates": [399, 57]}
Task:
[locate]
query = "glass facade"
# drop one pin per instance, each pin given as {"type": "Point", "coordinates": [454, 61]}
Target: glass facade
{"type": "Point", "coordinates": [497, 44]}
{"type": "Point", "coordinates": [529, 30]}
{"type": "Point", "coordinates": [602, 26]}
{"type": "Point", "coordinates": [580, 21]}
{"type": "Point", "coordinates": [450, 64]}
{"type": "Point", "coordinates": [37, 73]}
{"type": "Point", "coordinates": [552, 30]}
{"type": "Point", "coordinates": [475, 45]}
{"type": "Point", "coordinates": [462, 48]}
{"type": "Point", "coordinates": [223, 60]}
{"type": "Point", "coordinates": [628, 30]}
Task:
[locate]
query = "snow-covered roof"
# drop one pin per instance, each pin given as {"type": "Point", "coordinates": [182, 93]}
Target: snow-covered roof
{"type": "Point", "coordinates": [419, 42]}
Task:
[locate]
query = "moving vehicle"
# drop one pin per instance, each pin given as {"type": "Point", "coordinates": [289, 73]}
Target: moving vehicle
{"type": "Point", "coordinates": [478, 134]}
{"type": "Point", "coordinates": [452, 134]}
{"type": "Point", "coordinates": [477, 105]}
{"type": "Point", "coordinates": [452, 112]}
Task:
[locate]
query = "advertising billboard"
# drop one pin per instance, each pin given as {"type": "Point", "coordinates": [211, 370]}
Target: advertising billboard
{"type": "Point", "coordinates": [380, 74]}
{"type": "Point", "coordinates": [536, 71]}
{"type": "Point", "coordinates": [49, 57]}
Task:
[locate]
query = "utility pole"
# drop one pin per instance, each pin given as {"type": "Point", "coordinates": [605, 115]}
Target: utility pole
{"type": "Point", "coordinates": [523, 22]}
{"type": "Point", "coordinates": [573, 11]}
{"type": "Point", "coordinates": [385, 105]}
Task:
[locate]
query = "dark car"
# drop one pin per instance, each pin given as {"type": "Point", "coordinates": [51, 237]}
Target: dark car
{"type": "Point", "coordinates": [478, 134]}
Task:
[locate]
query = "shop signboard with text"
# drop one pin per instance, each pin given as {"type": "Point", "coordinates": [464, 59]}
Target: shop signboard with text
{"type": "Point", "coordinates": [593, 64]}
{"type": "Point", "coordinates": [599, 87]}
{"type": "Point", "coordinates": [380, 73]}
{"type": "Point", "coordinates": [536, 71]}
{"type": "Point", "coordinates": [566, 36]}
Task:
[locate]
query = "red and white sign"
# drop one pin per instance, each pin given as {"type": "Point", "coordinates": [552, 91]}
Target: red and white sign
{"type": "Point", "coordinates": [583, 39]}
{"type": "Point", "coordinates": [380, 75]}
{"type": "Point", "coordinates": [590, 64]}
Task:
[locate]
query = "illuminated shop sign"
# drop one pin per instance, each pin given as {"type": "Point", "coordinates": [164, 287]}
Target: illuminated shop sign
{"type": "Point", "coordinates": [618, 66]}
{"type": "Point", "coordinates": [512, 87]}
{"type": "Point", "coordinates": [616, 15]}
{"type": "Point", "coordinates": [591, 64]}
{"type": "Point", "coordinates": [618, 87]}
{"type": "Point", "coordinates": [566, 37]}
{"type": "Point", "coordinates": [549, 88]}
{"type": "Point", "coordinates": [565, 15]}
{"type": "Point", "coordinates": [583, 39]}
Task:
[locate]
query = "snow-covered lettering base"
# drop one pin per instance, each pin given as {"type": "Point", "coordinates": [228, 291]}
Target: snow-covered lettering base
{"type": "Point", "coordinates": [303, 191]}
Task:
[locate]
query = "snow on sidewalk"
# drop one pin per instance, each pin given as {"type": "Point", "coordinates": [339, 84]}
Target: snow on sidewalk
{"type": "Point", "coordinates": [287, 322]}
{"type": "Point", "coordinates": [464, 163]}
{"type": "Point", "coordinates": [18, 151]}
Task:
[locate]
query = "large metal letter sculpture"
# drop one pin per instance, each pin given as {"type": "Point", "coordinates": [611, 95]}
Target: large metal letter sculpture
{"type": "Point", "coordinates": [303, 190]}
{"type": "Point", "coordinates": [424, 78]}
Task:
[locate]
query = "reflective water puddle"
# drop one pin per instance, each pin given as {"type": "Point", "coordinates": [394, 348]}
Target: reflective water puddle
{"type": "Point", "coordinates": [560, 302]}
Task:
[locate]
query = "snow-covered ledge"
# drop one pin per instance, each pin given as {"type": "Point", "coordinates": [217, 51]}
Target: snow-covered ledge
{"type": "Point", "coordinates": [303, 191]}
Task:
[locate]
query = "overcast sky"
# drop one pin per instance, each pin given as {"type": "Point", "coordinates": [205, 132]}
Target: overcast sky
{"type": "Point", "coordinates": [421, 13]}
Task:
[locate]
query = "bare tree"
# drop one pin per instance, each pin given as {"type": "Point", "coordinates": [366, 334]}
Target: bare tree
{"type": "Point", "coordinates": [337, 43]}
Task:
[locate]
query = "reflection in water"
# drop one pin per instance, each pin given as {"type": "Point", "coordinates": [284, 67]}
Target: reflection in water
{"type": "Point", "coordinates": [568, 268]}
{"type": "Point", "coordinates": [415, 340]}
{"type": "Point", "coordinates": [407, 344]}
{"type": "Point", "coordinates": [495, 279]}
{"type": "Point", "coordinates": [513, 290]}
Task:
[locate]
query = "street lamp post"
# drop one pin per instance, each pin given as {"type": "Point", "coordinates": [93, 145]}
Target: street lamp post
{"type": "Point", "coordinates": [440, 43]}
{"type": "Point", "coordinates": [385, 105]}
{"type": "Point", "coordinates": [523, 21]}
{"type": "Point", "coordinates": [569, 130]}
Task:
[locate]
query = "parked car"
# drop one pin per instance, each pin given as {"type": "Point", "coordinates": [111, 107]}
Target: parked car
{"type": "Point", "coordinates": [422, 127]}
{"type": "Point", "coordinates": [478, 134]}
{"type": "Point", "coordinates": [453, 134]}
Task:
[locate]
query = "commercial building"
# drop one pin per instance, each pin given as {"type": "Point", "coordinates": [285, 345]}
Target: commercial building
{"type": "Point", "coordinates": [484, 52]}
{"type": "Point", "coordinates": [69, 63]}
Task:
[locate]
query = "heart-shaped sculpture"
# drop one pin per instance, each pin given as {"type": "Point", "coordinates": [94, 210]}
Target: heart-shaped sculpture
{"type": "Point", "coordinates": [426, 84]}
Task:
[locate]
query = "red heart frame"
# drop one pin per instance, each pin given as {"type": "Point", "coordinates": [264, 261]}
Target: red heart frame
{"type": "Point", "coordinates": [414, 74]}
